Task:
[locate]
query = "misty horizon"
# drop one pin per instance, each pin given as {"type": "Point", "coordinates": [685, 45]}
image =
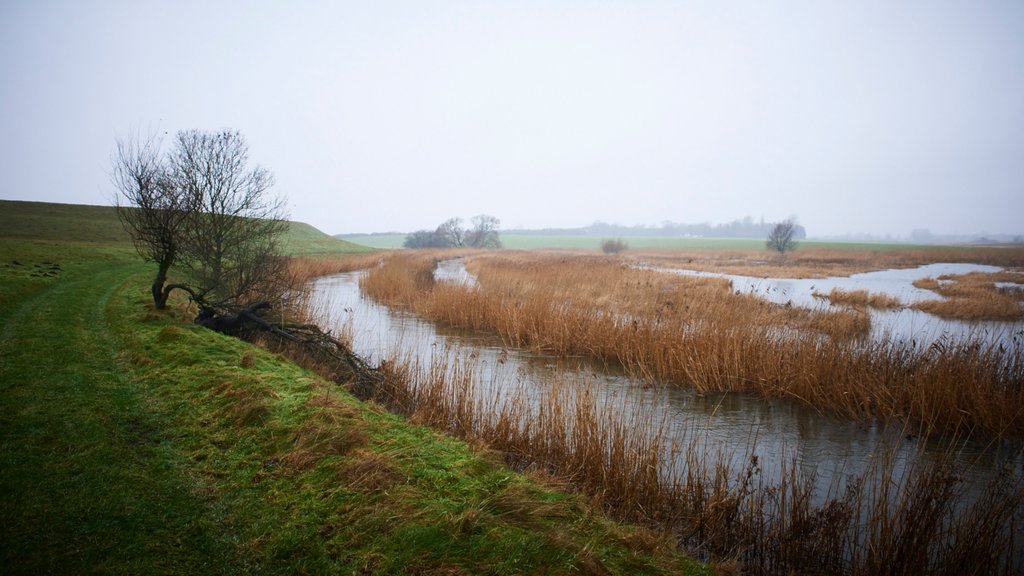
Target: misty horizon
{"type": "Point", "coordinates": [862, 118]}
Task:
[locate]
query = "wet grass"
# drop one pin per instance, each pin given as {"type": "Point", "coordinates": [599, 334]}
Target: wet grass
{"type": "Point", "coordinates": [136, 442]}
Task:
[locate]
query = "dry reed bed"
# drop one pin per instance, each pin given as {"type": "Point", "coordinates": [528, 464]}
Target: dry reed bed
{"type": "Point", "coordinates": [974, 296]}
{"type": "Point", "coordinates": [860, 299]}
{"type": "Point", "coordinates": [696, 332]}
{"type": "Point", "coordinates": [824, 262]}
{"type": "Point", "coordinates": [883, 522]}
{"type": "Point", "coordinates": [306, 268]}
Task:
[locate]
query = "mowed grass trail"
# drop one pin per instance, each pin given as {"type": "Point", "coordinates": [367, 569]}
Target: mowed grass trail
{"type": "Point", "coordinates": [88, 483]}
{"type": "Point", "coordinates": [134, 442]}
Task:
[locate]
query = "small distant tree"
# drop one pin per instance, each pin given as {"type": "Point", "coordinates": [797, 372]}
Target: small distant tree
{"type": "Point", "coordinates": [613, 246]}
{"type": "Point", "coordinates": [484, 233]}
{"type": "Point", "coordinates": [782, 236]}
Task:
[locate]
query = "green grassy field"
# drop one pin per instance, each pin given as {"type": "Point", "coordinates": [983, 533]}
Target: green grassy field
{"type": "Point", "coordinates": [134, 442]}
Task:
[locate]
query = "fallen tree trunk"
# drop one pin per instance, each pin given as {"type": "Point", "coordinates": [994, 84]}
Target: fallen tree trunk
{"type": "Point", "coordinates": [236, 324]}
{"type": "Point", "coordinates": [305, 344]}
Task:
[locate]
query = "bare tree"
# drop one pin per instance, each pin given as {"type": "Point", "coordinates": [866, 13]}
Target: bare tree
{"type": "Point", "coordinates": [451, 234]}
{"type": "Point", "coordinates": [782, 236]}
{"type": "Point", "coordinates": [204, 211]}
{"type": "Point", "coordinates": [152, 210]}
{"type": "Point", "coordinates": [484, 233]}
{"type": "Point", "coordinates": [231, 245]}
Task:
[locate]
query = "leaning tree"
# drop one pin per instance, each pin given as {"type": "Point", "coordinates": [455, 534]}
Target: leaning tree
{"type": "Point", "coordinates": [203, 210]}
{"type": "Point", "coordinates": [152, 210]}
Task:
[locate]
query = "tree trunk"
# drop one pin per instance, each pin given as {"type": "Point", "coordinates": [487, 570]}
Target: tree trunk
{"type": "Point", "coordinates": [159, 294]}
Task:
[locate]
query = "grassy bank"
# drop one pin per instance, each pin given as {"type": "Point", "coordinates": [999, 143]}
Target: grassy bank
{"type": "Point", "coordinates": [132, 441]}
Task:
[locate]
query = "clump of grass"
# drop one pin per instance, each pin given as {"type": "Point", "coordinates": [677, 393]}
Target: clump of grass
{"type": "Point", "coordinates": [243, 402]}
{"type": "Point", "coordinates": [861, 299]}
{"type": "Point", "coordinates": [331, 429]}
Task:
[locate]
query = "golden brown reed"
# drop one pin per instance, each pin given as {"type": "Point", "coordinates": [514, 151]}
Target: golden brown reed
{"type": "Point", "coordinates": [696, 332]}
{"type": "Point", "coordinates": [975, 296]}
{"type": "Point", "coordinates": [306, 268]}
{"type": "Point", "coordinates": [860, 299]}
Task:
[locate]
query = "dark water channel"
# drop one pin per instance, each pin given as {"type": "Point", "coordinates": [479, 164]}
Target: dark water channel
{"type": "Point", "coordinates": [735, 425]}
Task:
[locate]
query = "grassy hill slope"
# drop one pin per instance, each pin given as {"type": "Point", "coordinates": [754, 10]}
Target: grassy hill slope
{"type": "Point", "coordinates": [82, 223]}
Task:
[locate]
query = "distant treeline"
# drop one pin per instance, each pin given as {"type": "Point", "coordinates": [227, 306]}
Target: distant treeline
{"type": "Point", "coordinates": [745, 228]}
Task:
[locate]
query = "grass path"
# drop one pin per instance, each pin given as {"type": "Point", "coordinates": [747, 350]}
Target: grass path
{"type": "Point", "coordinates": [86, 487]}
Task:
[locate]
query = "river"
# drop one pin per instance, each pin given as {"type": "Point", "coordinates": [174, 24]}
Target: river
{"type": "Point", "coordinates": [778, 431]}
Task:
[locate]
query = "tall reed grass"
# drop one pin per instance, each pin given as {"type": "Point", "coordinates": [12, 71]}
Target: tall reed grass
{"type": "Point", "coordinates": [975, 296]}
{"type": "Point", "coordinates": [697, 332]}
{"type": "Point", "coordinates": [306, 268]}
{"type": "Point", "coordinates": [860, 299]}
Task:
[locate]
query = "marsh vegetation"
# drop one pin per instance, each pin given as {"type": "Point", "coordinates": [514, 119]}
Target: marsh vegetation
{"type": "Point", "coordinates": [924, 419]}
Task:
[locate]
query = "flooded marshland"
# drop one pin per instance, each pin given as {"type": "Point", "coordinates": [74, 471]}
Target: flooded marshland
{"type": "Point", "coordinates": [778, 435]}
{"type": "Point", "coordinates": [901, 323]}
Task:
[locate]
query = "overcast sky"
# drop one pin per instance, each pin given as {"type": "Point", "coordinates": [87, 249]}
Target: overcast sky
{"type": "Point", "coordinates": [859, 116]}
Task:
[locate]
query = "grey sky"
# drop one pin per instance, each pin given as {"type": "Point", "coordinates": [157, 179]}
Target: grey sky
{"type": "Point", "coordinates": [859, 116]}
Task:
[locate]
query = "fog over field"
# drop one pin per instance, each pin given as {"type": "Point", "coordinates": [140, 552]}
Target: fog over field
{"type": "Point", "coordinates": [858, 117]}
